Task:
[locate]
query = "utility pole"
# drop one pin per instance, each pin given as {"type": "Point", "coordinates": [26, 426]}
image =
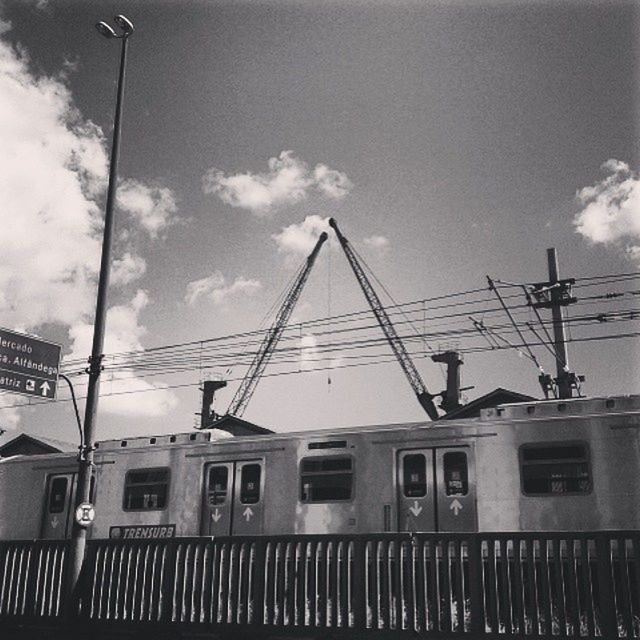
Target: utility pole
{"type": "Point", "coordinates": [85, 463]}
{"type": "Point", "coordinates": [556, 294]}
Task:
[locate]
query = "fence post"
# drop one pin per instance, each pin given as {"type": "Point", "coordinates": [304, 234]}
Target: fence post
{"type": "Point", "coordinates": [260, 568]}
{"type": "Point", "coordinates": [606, 600]}
{"type": "Point", "coordinates": [476, 590]}
{"type": "Point", "coordinates": [360, 583]}
{"type": "Point", "coordinates": [168, 582]}
{"type": "Point", "coordinates": [30, 603]}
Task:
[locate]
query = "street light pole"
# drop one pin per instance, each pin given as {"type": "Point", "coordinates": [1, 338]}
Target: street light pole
{"type": "Point", "coordinates": [85, 462]}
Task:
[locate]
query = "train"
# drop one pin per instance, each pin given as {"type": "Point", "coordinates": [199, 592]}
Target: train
{"type": "Point", "coordinates": [544, 465]}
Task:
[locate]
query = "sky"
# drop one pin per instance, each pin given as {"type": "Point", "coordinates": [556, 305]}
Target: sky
{"type": "Point", "coordinates": [450, 140]}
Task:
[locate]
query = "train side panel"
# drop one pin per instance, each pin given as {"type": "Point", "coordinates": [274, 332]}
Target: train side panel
{"type": "Point", "coordinates": [24, 482]}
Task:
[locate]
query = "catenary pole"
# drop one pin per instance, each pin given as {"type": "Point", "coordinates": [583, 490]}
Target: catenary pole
{"type": "Point", "coordinates": [85, 462]}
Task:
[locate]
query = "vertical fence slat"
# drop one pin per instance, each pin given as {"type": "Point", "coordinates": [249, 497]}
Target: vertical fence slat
{"type": "Point", "coordinates": [572, 591]}
{"type": "Point", "coordinates": [606, 599]}
{"type": "Point", "coordinates": [504, 588]}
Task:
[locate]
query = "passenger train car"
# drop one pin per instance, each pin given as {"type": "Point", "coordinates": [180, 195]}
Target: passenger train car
{"type": "Point", "coordinates": [536, 466]}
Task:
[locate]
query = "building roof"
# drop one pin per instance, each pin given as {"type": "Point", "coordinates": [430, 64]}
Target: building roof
{"type": "Point", "coordinates": [489, 400]}
{"type": "Point", "coordinates": [18, 442]}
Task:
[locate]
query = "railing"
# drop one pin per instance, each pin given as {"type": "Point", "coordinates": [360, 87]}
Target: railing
{"type": "Point", "coordinates": [542, 585]}
{"type": "Point", "coordinates": [31, 579]}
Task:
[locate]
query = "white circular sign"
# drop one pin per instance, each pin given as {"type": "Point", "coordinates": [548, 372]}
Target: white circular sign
{"type": "Point", "coordinates": [85, 514]}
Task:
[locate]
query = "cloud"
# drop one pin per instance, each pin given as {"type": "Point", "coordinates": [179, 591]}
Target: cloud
{"type": "Point", "coordinates": [216, 288]}
{"type": "Point", "coordinates": [308, 352]}
{"type": "Point", "coordinates": [287, 181]}
{"type": "Point", "coordinates": [151, 206]}
{"type": "Point", "coordinates": [332, 183]}
{"type": "Point", "coordinates": [378, 243]}
{"type": "Point", "coordinates": [53, 173]}
{"type": "Point", "coordinates": [123, 334]}
{"type": "Point", "coordinates": [127, 269]}
{"type": "Point", "coordinates": [610, 212]}
{"type": "Point", "coordinates": [9, 414]}
{"type": "Point", "coordinates": [300, 238]}
{"type": "Point", "coordinates": [52, 165]}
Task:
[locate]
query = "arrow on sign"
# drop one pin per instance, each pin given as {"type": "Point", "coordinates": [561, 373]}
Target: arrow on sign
{"type": "Point", "coordinates": [44, 387]}
{"type": "Point", "coordinates": [456, 507]}
{"type": "Point", "coordinates": [216, 515]}
{"type": "Point", "coordinates": [416, 509]}
{"type": "Point", "coordinates": [247, 513]}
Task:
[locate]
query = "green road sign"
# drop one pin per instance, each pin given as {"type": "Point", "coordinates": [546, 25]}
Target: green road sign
{"type": "Point", "coordinates": [28, 365]}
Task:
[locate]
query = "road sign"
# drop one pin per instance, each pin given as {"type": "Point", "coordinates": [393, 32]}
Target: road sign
{"type": "Point", "coordinates": [28, 365]}
{"type": "Point", "coordinates": [85, 514]}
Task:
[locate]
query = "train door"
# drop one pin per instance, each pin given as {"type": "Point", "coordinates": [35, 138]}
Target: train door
{"type": "Point", "coordinates": [436, 490]}
{"type": "Point", "coordinates": [233, 498]}
{"type": "Point", "coordinates": [59, 501]}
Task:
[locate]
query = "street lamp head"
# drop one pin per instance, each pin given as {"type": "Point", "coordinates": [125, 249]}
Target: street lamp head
{"type": "Point", "coordinates": [104, 29]}
{"type": "Point", "coordinates": [125, 24]}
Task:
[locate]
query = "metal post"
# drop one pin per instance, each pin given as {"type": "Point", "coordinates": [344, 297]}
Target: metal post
{"type": "Point", "coordinates": [85, 464]}
{"type": "Point", "coordinates": [559, 337]}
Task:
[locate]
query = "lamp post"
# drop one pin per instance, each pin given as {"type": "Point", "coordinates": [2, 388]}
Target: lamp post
{"type": "Point", "coordinates": [85, 463]}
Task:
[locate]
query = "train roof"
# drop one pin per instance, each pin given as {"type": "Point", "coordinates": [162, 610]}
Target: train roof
{"type": "Point", "coordinates": [505, 413]}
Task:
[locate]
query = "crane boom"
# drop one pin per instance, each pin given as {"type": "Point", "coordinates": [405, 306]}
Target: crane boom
{"type": "Point", "coordinates": [424, 397]}
{"type": "Point", "coordinates": [268, 345]}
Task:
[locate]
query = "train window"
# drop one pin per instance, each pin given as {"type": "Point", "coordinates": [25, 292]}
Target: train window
{"type": "Point", "coordinates": [58, 495]}
{"type": "Point", "coordinates": [218, 480]}
{"type": "Point", "coordinates": [326, 479]}
{"type": "Point", "coordinates": [415, 475]}
{"type": "Point", "coordinates": [146, 490]}
{"type": "Point", "coordinates": [555, 469]}
{"type": "Point", "coordinates": [250, 484]}
{"type": "Point", "coordinates": [456, 475]}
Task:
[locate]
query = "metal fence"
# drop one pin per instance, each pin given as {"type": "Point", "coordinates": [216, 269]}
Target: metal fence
{"type": "Point", "coordinates": [542, 585]}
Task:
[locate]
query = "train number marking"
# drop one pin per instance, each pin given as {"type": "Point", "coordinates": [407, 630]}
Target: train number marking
{"type": "Point", "coordinates": [456, 507]}
{"type": "Point", "coordinates": [216, 515]}
{"type": "Point", "coordinates": [247, 513]}
{"type": "Point", "coordinates": [416, 509]}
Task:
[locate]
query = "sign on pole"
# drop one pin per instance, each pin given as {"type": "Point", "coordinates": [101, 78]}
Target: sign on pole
{"type": "Point", "coordinates": [28, 365]}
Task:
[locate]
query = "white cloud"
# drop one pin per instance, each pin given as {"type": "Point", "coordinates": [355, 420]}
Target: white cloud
{"type": "Point", "coordinates": [610, 212]}
{"type": "Point", "coordinates": [300, 238]}
{"type": "Point", "coordinates": [53, 171]}
{"type": "Point", "coordinates": [51, 166]}
{"type": "Point", "coordinates": [123, 334]}
{"type": "Point", "coordinates": [331, 182]}
{"type": "Point", "coordinates": [9, 414]}
{"type": "Point", "coordinates": [151, 206]}
{"type": "Point", "coordinates": [308, 352]}
{"type": "Point", "coordinates": [127, 269]}
{"type": "Point", "coordinates": [378, 243]}
{"type": "Point", "coordinates": [216, 288]}
{"type": "Point", "coordinates": [287, 181]}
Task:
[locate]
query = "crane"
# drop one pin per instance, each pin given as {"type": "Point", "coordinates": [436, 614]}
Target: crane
{"type": "Point", "coordinates": [268, 345]}
{"type": "Point", "coordinates": [424, 397]}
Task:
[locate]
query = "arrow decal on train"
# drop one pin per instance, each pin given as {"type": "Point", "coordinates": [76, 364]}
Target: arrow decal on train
{"type": "Point", "coordinates": [416, 509]}
{"type": "Point", "coordinates": [216, 515]}
{"type": "Point", "coordinates": [247, 513]}
{"type": "Point", "coordinates": [456, 507]}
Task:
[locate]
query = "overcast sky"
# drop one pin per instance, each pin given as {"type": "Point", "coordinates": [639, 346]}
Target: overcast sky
{"type": "Point", "coordinates": [450, 140]}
